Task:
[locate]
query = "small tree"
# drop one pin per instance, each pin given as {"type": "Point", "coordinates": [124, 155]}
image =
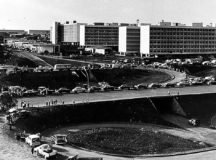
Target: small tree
{"type": "Point", "coordinates": [7, 101]}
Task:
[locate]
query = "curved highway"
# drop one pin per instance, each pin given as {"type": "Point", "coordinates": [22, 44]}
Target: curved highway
{"type": "Point", "coordinates": [117, 95]}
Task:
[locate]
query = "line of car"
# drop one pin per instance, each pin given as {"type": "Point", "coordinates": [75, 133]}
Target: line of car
{"type": "Point", "coordinates": [43, 91]}
{"type": "Point", "coordinates": [46, 150]}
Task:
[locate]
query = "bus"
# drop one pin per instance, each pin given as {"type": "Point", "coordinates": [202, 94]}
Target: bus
{"type": "Point", "coordinates": [58, 67]}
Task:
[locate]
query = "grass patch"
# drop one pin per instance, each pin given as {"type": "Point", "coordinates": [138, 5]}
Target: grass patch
{"type": "Point", "coordinates": [130, 141]}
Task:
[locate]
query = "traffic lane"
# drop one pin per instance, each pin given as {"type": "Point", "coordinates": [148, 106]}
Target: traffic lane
{"type": "Point", "coordinates": [117, 95]}
{"type": "Point", "coordinates": [207, 155]}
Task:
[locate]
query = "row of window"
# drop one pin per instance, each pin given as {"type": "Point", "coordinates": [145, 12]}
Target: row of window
{"type": "Point", "coordinates": [182, 46]}
{"type": "Point", "coordinates": [182, 42]}
{"type": "Point", "coordinates": [182, 50]}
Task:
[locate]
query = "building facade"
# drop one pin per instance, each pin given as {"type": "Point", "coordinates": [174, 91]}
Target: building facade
{"type": "Point", "coordinates": [55, 33]}
{"type": "Point", "coordinates": [99, 35]}
{"type": "Point", "coordinates": [66, 33]}
{"type": "Point", "coordinates": [146, 39]}
{"type": "Point", "coordinates": [129, 39]}
{"type": "Point", "coordinates": [178, 40]}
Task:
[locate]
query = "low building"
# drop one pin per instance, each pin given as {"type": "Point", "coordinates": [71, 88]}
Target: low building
{"type": "Point", "coordinates": [39, 32]}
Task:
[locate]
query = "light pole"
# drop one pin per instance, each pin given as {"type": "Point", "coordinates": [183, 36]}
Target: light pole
{"type": "Point", "coordinates": [87, 76]}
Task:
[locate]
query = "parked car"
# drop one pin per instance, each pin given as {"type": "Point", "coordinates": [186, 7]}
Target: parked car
{"type": "Point", "coordinates": [107, 88]}
{"type": "Point", "coordinates": [59, 139]}
{"type": "Point", "coordinates": [30, 93]}
{"type": "Point", "coordinates": [124, 86]}
{"type": "Point", "coordinates": [33, 140]}
{"type": "Point", "coordinates": [140, 86]}
{"type": "Point", "coordinates": [169, 85]}
{"type": "Point", "coordinates": [211, 82]}
{"type": "Point", "coordinates": [194, 122]}
{"type": "Point", "coordinates": [182, 84]}
{"type": "Point", "coordinates": [41, 88]}
{"type": "Point", "coordinates": [45, 150]}
{"type": "Point", "coordinates": [63, 90]}
{"type": "Point", "coordinates": [212, 126]}
{"type": "Point", "coordinates": [90, 90]}
{"type": "Point", "coordinates": [78, 90]}
{"type": "Point", "coordinates": [47, 91]}
{"type": "Point", "coordinates": [154, 85]}
{"type": "Point", "coordinates": [94, 89]}
{"type": "Point", "coordinates": [196, 82]}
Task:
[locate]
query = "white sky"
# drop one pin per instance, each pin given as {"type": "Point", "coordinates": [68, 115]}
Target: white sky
{"type": "Point", "coordinates": [39, 14]}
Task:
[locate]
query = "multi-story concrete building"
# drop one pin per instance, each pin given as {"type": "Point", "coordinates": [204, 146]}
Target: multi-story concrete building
{"type": "Point", "coordinates": [66, 33]}
{"type": "Point", "coordinates": [55, 33]}
{"type": "Point", "coordinates": [129, 39]}
{"type": "Point", "coordinates": [194, 39]}
{"type": "Point", "coordinates": [168, 39]}
{"type": "Point", "coordinates": [99, 34]}
{"type": "Point", "coordinates": [146, 39]}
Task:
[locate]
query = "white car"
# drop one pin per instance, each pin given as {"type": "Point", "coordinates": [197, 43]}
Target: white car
{"type": "Point", "coordinates": [59, 139]}
{"type": "Point", "coordinates": [45, 150]}
{"type": "Point", "coordinates": [78, 90]}
{"type": "Point", "coordinates": [33, 140]}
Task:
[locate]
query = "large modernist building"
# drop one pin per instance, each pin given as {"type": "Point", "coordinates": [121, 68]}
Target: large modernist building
{"type": "Point", "coordinates": [171, 39]}
{"type": "Point", "coordinates": [146, 39]}
{"type": "Point", "coordinates": [65, 33]}
{"type": "Point", "coordinates": [179, 39]}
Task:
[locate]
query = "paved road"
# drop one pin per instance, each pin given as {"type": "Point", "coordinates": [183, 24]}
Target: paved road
{"type": "Point", "coordinates": [118, 95]}
{"type": "Point", "coordinates": [31, 57]}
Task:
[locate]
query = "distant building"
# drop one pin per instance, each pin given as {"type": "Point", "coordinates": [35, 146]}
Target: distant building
{"type": "Point", "coordinates": [178, 40]}
{"type": "Point", "coordinates": [55, 33]}
{"type": "Point", "coordinates": [66, 33]}
{"type": "Point", "coordinates": [12, 31]}
{"type": "Point", "coordinates": [143, 38]}
{"type": "Point", "coordinates": [39, 32]}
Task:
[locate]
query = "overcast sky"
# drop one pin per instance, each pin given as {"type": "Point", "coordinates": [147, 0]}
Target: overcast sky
{"type": "Point", "coordinates": [39, 14]}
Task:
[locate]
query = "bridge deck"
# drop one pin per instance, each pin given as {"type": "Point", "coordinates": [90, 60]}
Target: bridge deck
{"type": "Point", "coordinates": [118, 95]}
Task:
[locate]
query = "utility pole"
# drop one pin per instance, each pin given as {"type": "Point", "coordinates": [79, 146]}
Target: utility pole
{"type": "Point", "coordinates": [87, 76]}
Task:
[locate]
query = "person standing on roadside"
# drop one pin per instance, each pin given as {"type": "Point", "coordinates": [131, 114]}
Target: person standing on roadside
{"type": "Point", "coordinates": [32, 150]}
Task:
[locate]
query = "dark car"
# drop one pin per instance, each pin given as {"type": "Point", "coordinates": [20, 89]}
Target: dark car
{"type": "Point", "coordinates": [169, 85]}
{"type": "Point", "coordinates": [107, 88]}
{"type": "Point", "coordinates": [93, 89]}
{"type": "Point", "coordinates": [124, 86]}
{"type": "Point", "coordinates": [63, 90]}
